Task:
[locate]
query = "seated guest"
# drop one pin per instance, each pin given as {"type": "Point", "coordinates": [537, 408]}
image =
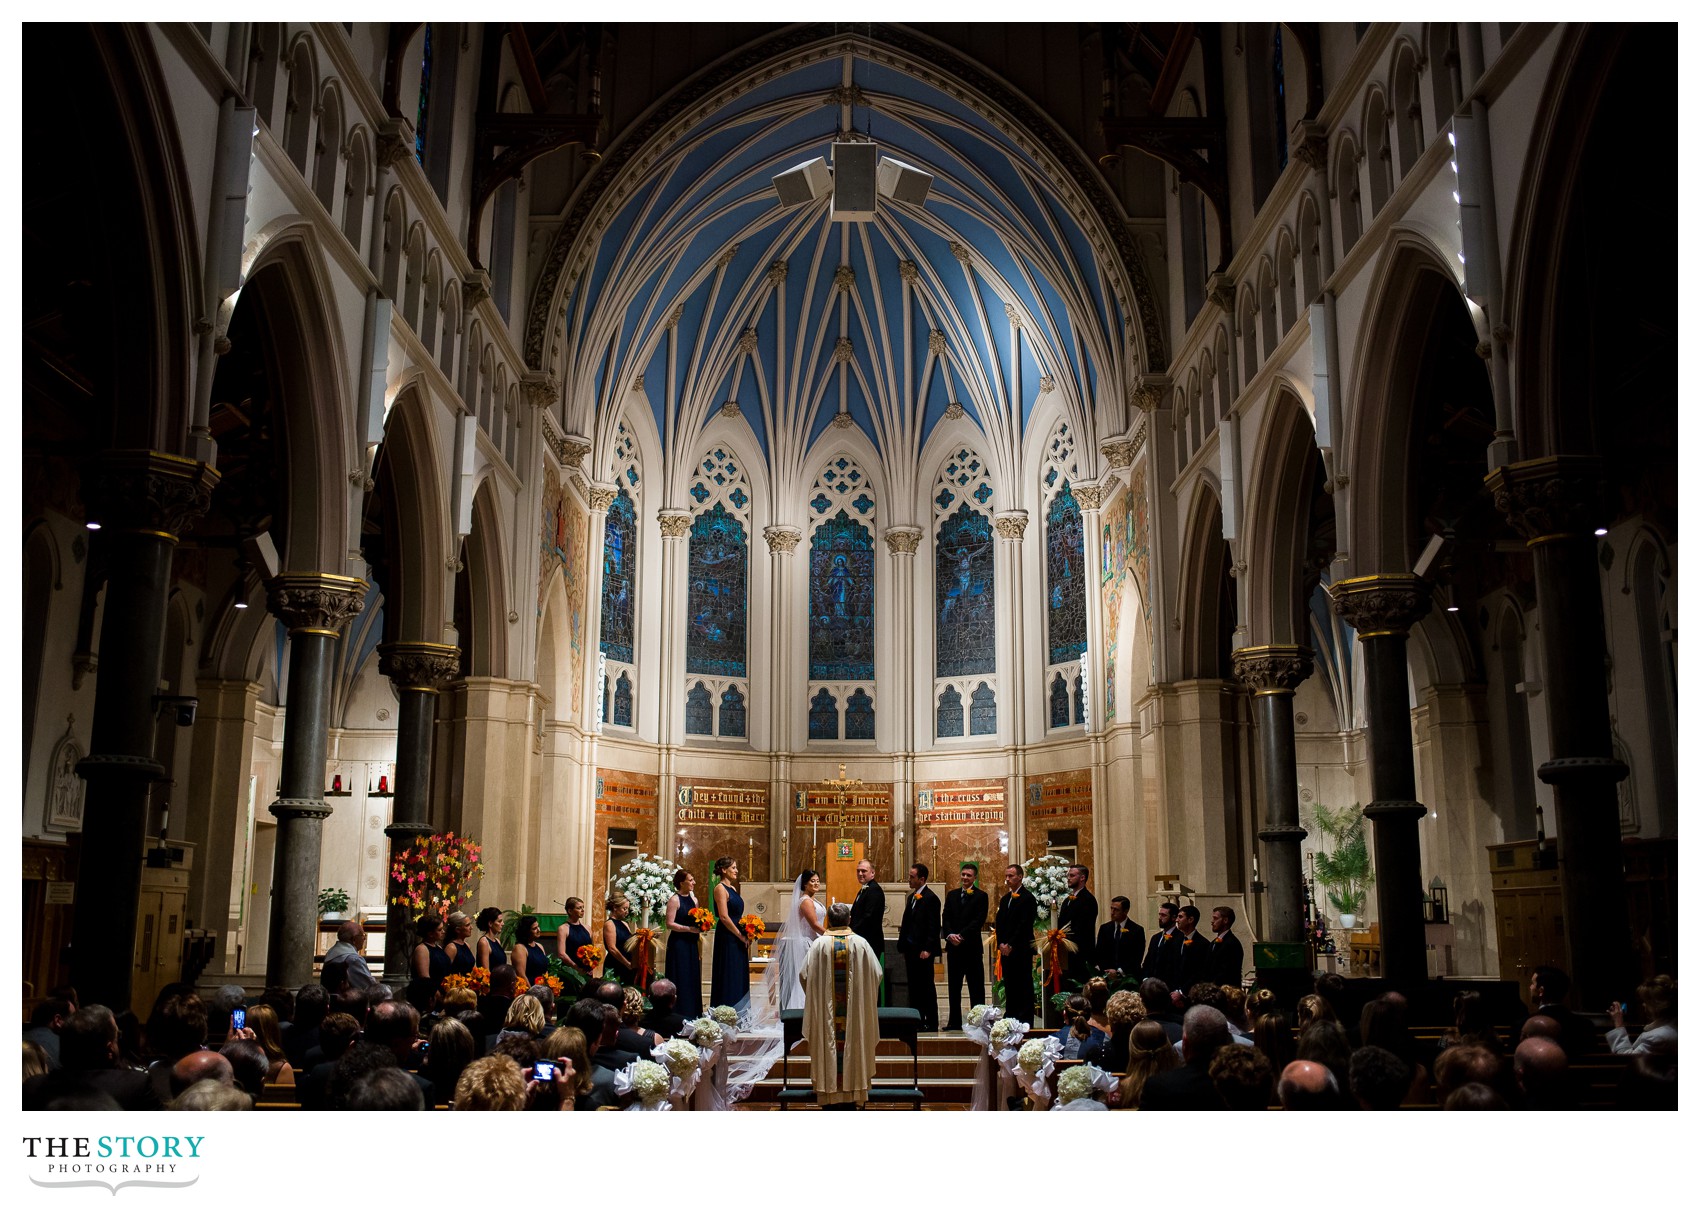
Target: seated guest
{"type": "Point", "coordinates": [1462, 1064]}
{"type": "Point", "coordinates": [349, 950]}
{"type": "Point", "coordinates": [1314, 1008]}
{"type": "Point", "coordinates": [1272, 1035]}
{"type": "Point", "coordinates": [600, 1027]}
{"type": "Point", "coordinates": [450, 1003]}
{"type": "Point", "coordinates": [312, 1003]}
{"type": "Point", "coordinates": [474, 1023]}
{"type": "Point", "coordinates": [395, 1025]}
{"type": "Point", "coordinates": [1243, 1079]}
{"type": "Point", "coordinates": [1097, 991]}
{"type": "Point", "coordinates": [525, 1018]}
{"type": "Point", "coordinates": [1208, 993]}
{"type": "Point", "coordinates": [1160, 1007]}
{"type": "Point", "coordinates": [1658, 999]}
{"type": "Point", "coordinates": [1379, 1080]}
{"type": "Point", "coordinates": [1259, 1002]}
{"type": "Point", "coordinates": [1232, 1007]}
{"type": "Point", "coordinates": [362, 1057]}
{"type": "Point", "coordinates": [1542, 1072]}
{"type": "Point", "coordinates": [1475, 1096]}
{"type": "Point", "coordinates": [1325, 1043]}
{"type": "Point", "coordinates": [1383, 1025]}
{"type": "Point", "coordinates": [248, 1064]}
{"type": "Point", "coordinates": [1149, 1054]}
{"type": "Point", "coordinates": [663, 1017]}
{"type": "Point", "coordinates": [219, 1004]}
{"type": "Point", "coordinates": [34, 1060]}
{"type": "Point", "coordinates": [1331, 988]}
{"type": "Point", "coordinates": [333, 975]}
{"type": "Point", "coordinates": [1473, 1024]}
{"type": "Point", "coordinates": [521, 1051]}
{"type": "Point", "coordinates": [45, 1023]}
{"type": "Point", "coordinates": [385, 1090]}
{"type": "Point", "coordinates": [541, 992]}
{"type": "Point", "coordinates": [205, 1065]}
{"type": "Point", "coordinates": [335, 1035]}
{"type": "Point", "coordinates": [1123, 1011]}
{"type": "Point", "coordinates": [262, 1021]}
{"type": "Point", "coordinates": [634, 1038]}
{"type": "Point", "coordinates": [451, 1052]}
{"type": "Point", "coordinates": [1189, 1088]}
{"type": "Point", "coordinates": [1539, 1025]}
{"type": "Point", "coordinates": [212, 1095]}
{"type": "Point", "coordinates": [1549, 990]}
{"type": "Point", "coordinates": [176, 1027]}
{"type": "Point", "coordinates": [568, 1043]}
{"type": "Point", "coordinates": [493, 1006]}
{"type": "Point", "coordinates": [88, 1060]}
{"type": "Point", "coordinates": [492, 1084]}
{"type": "Point", "coordinates": [281, 1000]}
{"type": "Point", "coordinates": [1308, 1086]}
{"type": "Point", "coordinates": [1078, 1030]}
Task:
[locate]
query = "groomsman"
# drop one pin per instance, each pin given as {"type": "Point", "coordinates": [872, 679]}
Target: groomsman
{"type": "Point", "coordinates": [1017, 914]}
{"type": "Point", "coordinates": [1227, 956]}
{"type": "Point", "coordinates": [1163, 957]}
{"type": "Point", "coordinates": [1194, 951]}
{"type": "Point", "coordinates": [1079, 912]}
{"type": "Point", "coordinates": [918, 942]}
{"type": "Point", "coordinates": [1121, 943]}
{"type": "Point", "coordinates": [964, 916]}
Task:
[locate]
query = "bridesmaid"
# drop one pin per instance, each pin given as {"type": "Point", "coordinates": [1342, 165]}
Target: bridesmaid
{"type": "Point", "coordinates": [618, 964]}
{"type": "Point", "coordinates": [461, 958]}
{"type": "Point", "coordinates": [490, 949]}
{"type": "Point", "coordinates": [684, 946]}
{"type": "Point", "coordinates": [528, 958]}
{"type": "Point", "coordinates": [572, 935]}
{"type": "Point", "coordinates": [430, 962]}
{"type": "Point", "coordinates": [729, 981]}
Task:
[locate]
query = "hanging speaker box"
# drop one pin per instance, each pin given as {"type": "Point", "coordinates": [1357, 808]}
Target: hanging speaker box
{"type": "Point", "coordinates": [853, 182]}
{"type": "Point", "coordinates": [903, 182]}
{"type": "Point", "coordinates": [804, 183]}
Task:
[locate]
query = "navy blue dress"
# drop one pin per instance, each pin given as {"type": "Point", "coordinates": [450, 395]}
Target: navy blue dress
{"type": "Point", "coordinates": [536, 962]}
{"type": "Point", "coordinates": [577, 936]}
{"type": "Point", "coordinates": [611, 967]}
{"type": "Point", "coordinates": [466, 956]}
{"type": "Point", "coordinates": [729, 980]}
{"type": "Point", "coordinates": [684, 958]}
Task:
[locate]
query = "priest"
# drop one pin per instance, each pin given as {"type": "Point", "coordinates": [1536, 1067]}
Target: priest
{"type": "Point", "coordinates": [841, 984]}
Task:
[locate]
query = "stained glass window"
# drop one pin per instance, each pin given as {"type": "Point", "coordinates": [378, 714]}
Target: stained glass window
{"type": "Point", "coordinates": [718, 599]}
{"type": "Point", "coordinates": [1059, 702]}
{"type": "Point", "coordinates": [1065, 564]}
{"type": "Point", "coordinates": [732, 712]}
{"type": "Point", "coordinates": [966, 612]}
{"type": "Point", "coordinates": [823, 717]}
{"type": "Point", "coordinates": [859, 717]}
{"type": "Point", "coordinates": [983, 712]}
{"type": "Point", "coordinates": [619, 552]}
{"type": "Point", "coordinates": [841, 601]}
{"type": "Point", "coordinates": [1079, 702]}
{"type": "Point", "coordinates": [623, 701]}
{"type": "Point", "coordinates": [422, 116]}
{"type": "Point", "coordinates": [950, 713]}
{"type": "Point", "coordinates": [607, 704]}
{"type": "Point", "coordinates": [699, 712]}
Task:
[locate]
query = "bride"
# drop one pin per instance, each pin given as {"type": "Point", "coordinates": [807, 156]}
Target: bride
{"type": "Point", "coordinates": [803, 925]}
{"type": "Point", "coordinates": [760, 1038]}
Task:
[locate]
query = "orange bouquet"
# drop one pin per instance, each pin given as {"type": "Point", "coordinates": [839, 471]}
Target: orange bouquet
{"type": "Point", "coordinates": [752, 924]}
{"type": "Point", "coordinates": [704, 918]}
{"type": "Point", "coordinates": [591, 955]}
{"type": "Point", "coordinates": [477, 980]}
{"type": "Point", "coordinates": [551, 983]}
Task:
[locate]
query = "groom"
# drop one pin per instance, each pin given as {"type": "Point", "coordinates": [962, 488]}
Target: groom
{"type": "Point", "coordinates": [867, 912]}
{"type": "Point", "coordinates": [841, 980]}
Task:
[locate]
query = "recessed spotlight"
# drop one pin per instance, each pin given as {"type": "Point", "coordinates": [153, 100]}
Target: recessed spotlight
{"type": "Point", "coordinates": [92, 525]}
{"type": "Point", "coordinates": [1599, 532]}
{"type": "Point", "coordinates": [240, 605]}
{"type": "Point", "coordinates": [1451, 610]}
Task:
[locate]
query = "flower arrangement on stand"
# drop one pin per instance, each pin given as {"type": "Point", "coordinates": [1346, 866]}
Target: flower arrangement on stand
{"type": "Point", "coordinates": [704, 918]}
{"type": "Point", "coordinates": [703, 1032]}
{"type": "Point", "coordinates": [436, 875]}
{"type": "Point", "coordinates": [649, 1081]}
{"type": "Point", "coordinates": [647, 882]}
{"type": "Point", "coordinates": [1046, 877]}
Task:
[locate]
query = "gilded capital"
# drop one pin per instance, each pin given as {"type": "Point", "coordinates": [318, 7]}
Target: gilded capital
{"type": "Point", "coordinates": [573, 450]}
{"type": "Point", "coordinates": [541, 390]}
{"type": "Point", "coordinates": [602, 496]}
{"type": "Point", "coordinates": [1384, 604]}
{"type": "Point", "coordinates": [396, 142]}
{"type": "Point", "coordinates": [903, 540]}
{"type": "Point", "coordinates": [1273, 668]}
{"type": "Point", "coordinates": [1309, 143]}
{"type": "Point", "coordinates": [417, 665]}
{"type": "Point", "coordinates": [1090, 496]}
{"type": "Point", "coordinates": [148, 491]}
{"type": "Point", "coordinates": [1561, 496]}
{"type": "Point", "coordinates": [1011, 526]}
{"type": "Point", "coordinates": [315, 601]}
{"type": "Point", "coordinates": [675, 523]}
{"type": "Point", "coordinates": [476, 288]}
{"type": "Point", "coordinates": [1149, 392]}
{"type": "Point", "coordinates": [844, 277]}
{"type": "Point", "coordinates": [782, 540]}
{"type": "Point", "coordinates": [1118, 453]}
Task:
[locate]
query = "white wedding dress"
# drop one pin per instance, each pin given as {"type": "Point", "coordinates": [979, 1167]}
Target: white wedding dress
{"type": "Point", "coordinates": [760, 1039]}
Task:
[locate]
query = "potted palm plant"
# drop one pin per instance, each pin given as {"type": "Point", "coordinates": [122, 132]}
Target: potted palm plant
{"type": "Point", "coordinates": [1344, 867]}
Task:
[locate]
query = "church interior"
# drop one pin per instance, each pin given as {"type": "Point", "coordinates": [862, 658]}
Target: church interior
{"type": "Point", "coordinates": [1236, 458]}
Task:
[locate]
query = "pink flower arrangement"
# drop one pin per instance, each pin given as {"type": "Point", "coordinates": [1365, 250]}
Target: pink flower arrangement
{"type": "Point", "coordinates": [437, 875]}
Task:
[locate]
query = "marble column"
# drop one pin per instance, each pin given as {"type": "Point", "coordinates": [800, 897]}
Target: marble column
{"type": "Point", "coordinates": [1010, 526]}
{"type": "Point", "coordinates": [899, 709]}
{"type": "Point", "coordinates": [144, 499]}
{"type": "Point", "coordinates": [1382, 609]}
{"type": "Point", "coordinates": [1555, 503]}
{"type": "Point", "coordinates": [1273, 672]}
{"type": "Point", "coordinates": [418, 670]}
{"type": "Point", "coordinates": [781, 545]}
{"type": "Point", "coordinates": [314, 606]}
{"type": "Point", "coordinates": [675, 555]}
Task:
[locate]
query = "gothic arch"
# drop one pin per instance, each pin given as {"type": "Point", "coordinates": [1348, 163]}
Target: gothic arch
{"type": "Point", "coordinates": [1206, 599]}
{"type": "Point", "coordinates": [414, 521]}
{"type": "Point", "coordinates": [1279, 500]}
{"type": "Point", "coordinates": [481, 609]}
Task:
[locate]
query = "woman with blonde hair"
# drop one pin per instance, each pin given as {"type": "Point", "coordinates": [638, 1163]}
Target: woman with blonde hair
{"type": "Point", "coordinates": [1123, 1011]}
{"type": "Point", "coordinates": [1149, 1053]}
{"type": "Point", "coordinates": [569, 1042]}
{"type": "Point", "coordinates": [1314, 1008]}
{"type": "Point", "coordinates": [262, 1020]}
{"type": "Point", "coordinates": [35, 1059]}
{"type": "Point", "coordinates": [525, 1018]}
{"type": "Point", "coordinates": [462, 952]}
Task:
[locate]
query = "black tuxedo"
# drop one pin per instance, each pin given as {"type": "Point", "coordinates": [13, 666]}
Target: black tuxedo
{"type": "Point", "coordinates": [920, 932]}
{"type": "Point", "coordinates": [665, 1023]}
{"type": "Point", "coordinates": [964, 914]}
{"type": "Point", "coordinates": [1163, 957]}
{"type": "Point", "coordinates": [1187, 1088]}
{"type": "Point", "coordinates": [867, 917]}
{"type": "Point", "coordinates": [1018, 912]}
{"type": "Point", "coordinates": [1193, 960]}
{"type": "Point", "coordinates": [1227, 961]}
{"type": "Point", "coordinates": [1120, 953]}
{"type": "Point", "coordinates": [1079, 913]}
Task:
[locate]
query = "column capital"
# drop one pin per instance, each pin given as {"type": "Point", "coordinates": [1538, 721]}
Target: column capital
{"type": "Point", "coordinates": [1150, 391]}
{"type": "Point", "coordinates": [1558, 497]}
{"type": "Point", "coordinates": [1382, 603]}
{"type": "Point", "coordinates": [602, 496]}
{"type": "Point", "coordinates": [903, 540]}
{"type": "Point", "coordinates": [319, 602]}
{"type": "Point", "coordinates": [1219, 289]}
{"type": "Point", "coordinates": [148, 492]}
{"type": "Point", "coordinates": [1091, 496]}
{"type": "Point", "coordinates": [1273, 668]}
{"type": "Point", "coordinates": [419, 665]}
{"type": "Point", "coordinates": [1309, 142]}
{"type": "Point", "coordinates": [782, 540]}
{"type": "Point", "coordinates": [541, 390]}
{"type": "Point", "coordinates": [476, 288]}
{"type": "Point", "coordinates": [396, 141]}
{"type": "Point", "coordinates": [675, 523]}
{"type": "Point", "coordinates": [1119, 452]}
{"type": "Point", "coordinates": [572, 451]}
{"type": "Point", "coordinates": [1010, 525]}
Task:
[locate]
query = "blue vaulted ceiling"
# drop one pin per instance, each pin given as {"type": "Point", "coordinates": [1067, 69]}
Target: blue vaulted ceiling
{"type": "Point", "coordinates": [696, 287]}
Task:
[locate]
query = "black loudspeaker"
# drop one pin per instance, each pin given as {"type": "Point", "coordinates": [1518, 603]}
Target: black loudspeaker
{"type": "Point", "coordinates": [853, 181]}
{"type": "Point", "coordinates": [804, 183]}
{"type": "Point", "coordinates": [903, 182]}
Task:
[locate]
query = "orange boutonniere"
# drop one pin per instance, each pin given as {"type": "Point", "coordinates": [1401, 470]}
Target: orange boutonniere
{"type": "Point", "coordinates": [917, 896]}
{"type": "Point", "coordinates": [1186, 942]}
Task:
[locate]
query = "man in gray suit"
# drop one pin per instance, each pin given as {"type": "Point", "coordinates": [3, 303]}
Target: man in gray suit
{"type": "Point", "coordinates": [350, 950]}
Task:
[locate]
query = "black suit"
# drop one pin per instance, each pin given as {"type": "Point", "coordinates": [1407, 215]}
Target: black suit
{"type": "Point", "coordinates": [665, 1023]}
{"type": "Point", "coordinates": [964, 914]}
{"type": "Point", "coordinates": [1017, 914]}
{"type": "Point", "coordinates": [867, 917]}
{"type": "Point", "coordinates": [1079, 913]}
{"type": "Point", "coordinates": [920, 932]}
{"type": "Point", "coordinates": [1120, 951]}
{"type": "Point", "coordinates": [1187, 1088]}
{"type": "Point", "coordinates": [1163, 957]}
{"type": "Point", "coordinates": [1192, 962]}
{"type": "Point", "coordinates": [1227, 961]}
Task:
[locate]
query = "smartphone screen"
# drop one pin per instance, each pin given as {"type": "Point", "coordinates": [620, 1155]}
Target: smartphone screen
{"type": "Point", "coordinates": [544, 1071]}
{"type": "Point", "coordinates": [238, 1019]}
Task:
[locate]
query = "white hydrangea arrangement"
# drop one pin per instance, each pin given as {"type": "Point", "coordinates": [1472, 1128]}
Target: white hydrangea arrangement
{"type": "Point", "coordinates": [1005, 1031]}
{"type": "Point", "coordinates": [726, 1016]}
{"type": "Point", "coordinates": [647, 882]}
{"type": "Point", "coordinates": [1082, 1081]}
{"type": "Point", "coordinates": [649, 1081]}
{"type": "Point", "coordinates": [978, 1015]}
{"type": "Point", "coordinates": [1047, 879]}
{"type": "Point", "coordinates": [680, 1056]}
{"type": "Point", "coordinates": [704, 1033]}
{"type": "Point", "coordinates": [1032, 1055]}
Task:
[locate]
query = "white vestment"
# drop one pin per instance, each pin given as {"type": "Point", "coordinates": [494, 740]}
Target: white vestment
{"type": "Point", "coordinates": [842, 1070]}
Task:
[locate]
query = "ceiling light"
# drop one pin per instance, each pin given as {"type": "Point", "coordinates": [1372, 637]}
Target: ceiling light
{"type": "Point", "coordinates": [1451, 610]}
{"type": "Point", "coordinates": [240, 605]}
{"type": "Point", "coordinates": [92, 525]}
{"type": "Point", "coordinates": [1599, 532]}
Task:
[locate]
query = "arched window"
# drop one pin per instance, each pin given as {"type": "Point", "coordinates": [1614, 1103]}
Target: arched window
{"type": "Point", "coordinates": [1271, 322]}
{"type": "Point", "coordinates": [732, 717]}
{"type": "Point", "coordinates": [841, 587]}
{"type": "Point", "coordinates": [1380, 153]}
{"type": "Point", "coordinates": [1407, 109]}
{"type": "Point", "coordinates": [623, 702]}
{"type": "Point", "coordinates": [354, 192]}
{"type": "Point", "coordinates": [1248, 336]}
{"type": "Point", "coordinates": [1079, 701]}
{"type": "Point", "coordinates": [619, 566]}
{"type": "Point", "coordinates": [1285, 286]}
{"type": "Point", "coordinates": [327, 148]}
{"type": "Point", "coordinates": [699, 712]}
{"type": "Point", "coordinates": [983, 712]}
{"type": "Point", "coordinates": [1059, 702]}
{"type": "Point", "coordinates": [298, 113]}
{"type": "Point", "coordinates": [1442, 66]}
{"type": "Point", "coordinates": [823, 717]}
{"type": "Point", "coordinates": [859, 717]}
{"type": "Point", "coordinates": [1310, 251]}
{"type": "Point", "coordinates": [1065, 577]}
{"type": "Point", "coordinates": [717, 577]}
{"type": "Point", "coordinates": [964, 581]}
{"type": "Point", "coordinates": [1349, 195]}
